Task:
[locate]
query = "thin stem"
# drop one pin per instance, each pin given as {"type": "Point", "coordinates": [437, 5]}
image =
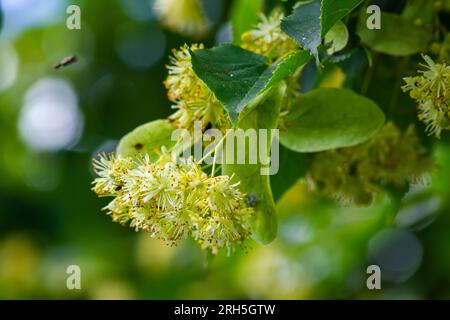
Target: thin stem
{"type": "Point", "coordinates": [215, 153]}
{"type": "Point", "coordinates": [212, 150]}
{"type": "Point", "coordinates": [213, 171]}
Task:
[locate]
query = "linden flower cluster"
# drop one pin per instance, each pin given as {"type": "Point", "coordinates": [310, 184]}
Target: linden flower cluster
{"type": "Point", "coordinates": [355, 174]}
{"type": "Point", "coordinates": [172, 201]}
{"type": "Point", "coordinates": [191, 97]}
{"type": "Point", "coordinates": [431, 90]}
{"type": "Point", "coordinates": [268, 39]}
{"type": "Point", "coordinates": [183, 16]}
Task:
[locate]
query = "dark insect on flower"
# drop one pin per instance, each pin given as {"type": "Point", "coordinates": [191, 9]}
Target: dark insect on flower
{"type": "Point", "coordinates": [207, 127]}
{"type": "Point", "coordinates": [65, 62]}
{"type": "Point", "coordinates": [252, 200]}
{"type": "Point", "coordinates": [138, 146]}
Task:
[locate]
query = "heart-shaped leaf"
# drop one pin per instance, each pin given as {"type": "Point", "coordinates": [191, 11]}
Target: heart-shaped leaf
{"type": "Point", "coordinates": [237, 77]}
{"type": "Point", "coordinates": [330, 118]}
{"type": "Point", "coordinates": [398, 36]}
{"type": "Point", "coordinates": [338, 37]}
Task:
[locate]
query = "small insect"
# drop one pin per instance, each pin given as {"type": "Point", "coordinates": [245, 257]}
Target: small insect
{"type": "Point", "coordinates": [65, 62]}
{"type": "Point", "coordinates": [252, 200]}
{"type": "Point", "coordinates": [207, 127]}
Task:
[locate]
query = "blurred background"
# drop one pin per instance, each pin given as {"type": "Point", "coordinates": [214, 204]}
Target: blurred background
{"type": "Point", "coordinates": [52, 123]}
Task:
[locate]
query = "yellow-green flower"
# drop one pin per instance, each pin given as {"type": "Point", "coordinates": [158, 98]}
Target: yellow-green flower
{"type": "Point", "coordinates": [119, 209]}
{"type": "Point", "coordinates": [216, 231]}
{"type": "Point", "coordinates": [110, 170]}
{"type": "Point", "coordinates": [431, 90]}
{"type": "Point", "coordinates": [183, 16]}
{"type": "Point", "coordinates": [173, 200]}
{"type": "Point", "coordinates": [222, 196]}
{"type": "Point", "coordinates": [268, 39]}
{"type": "Point", "coordinates": [391, 159]}
{"type": "Point", "coordinates": [193, 100]}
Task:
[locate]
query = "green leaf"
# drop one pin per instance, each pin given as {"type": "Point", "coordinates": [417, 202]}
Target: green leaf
{"type": "Point", "coordinates": [147, 139]}
{"type": "Point", "coordinates": [335, 10]}
{"type": "Point", "coordinates": [273, 76]}
{"type": "Point", "coordinates": [237, 77]}
{"type": "Point", "coordinates": [338, 37]}
{"type": "Point", "coordinates": [264, 116]}
{"type": "Point", "coordinates": [330, 118]}
{"type": "Point", "coordinates": [230, 72]}
{"type": "Point", "coordinates": [244, 15]}
{"type": "Point", "coordinates": [398, 35]}
{"type": "Point", "coordinates": [292, 167]}
{"type": "Point", "coordinates": [304, 26]}
{"type": "Point", "coordinates": [311, 21]}
{"type": "Point", "coordinates": [278, 72]}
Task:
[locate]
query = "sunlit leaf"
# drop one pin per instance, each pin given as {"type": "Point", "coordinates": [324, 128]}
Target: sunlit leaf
{"type": "Point", "coordinates": [147, 139]}
{"type": "Point", "coordinates": [337, 37]}
{"type": "Point", "coordinates": [330, 118]}
{"type": "Point", "coordinates": [398, 35]}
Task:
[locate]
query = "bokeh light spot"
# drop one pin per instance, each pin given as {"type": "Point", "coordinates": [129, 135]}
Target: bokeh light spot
{"type": "Point", "coordinates": [9, 62]}
{"type": "Point", "coordinates": [397, 252]}
{"type": "Point", "coordinates": [50, 119]}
